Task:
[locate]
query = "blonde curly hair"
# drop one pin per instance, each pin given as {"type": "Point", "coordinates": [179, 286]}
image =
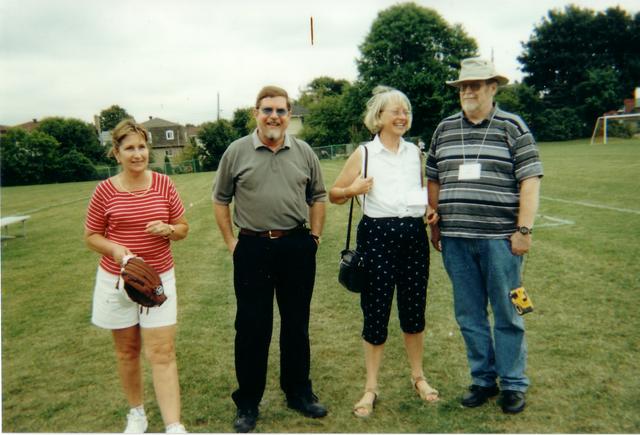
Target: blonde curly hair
{"type": "Point", "coordinates": [383, 96]}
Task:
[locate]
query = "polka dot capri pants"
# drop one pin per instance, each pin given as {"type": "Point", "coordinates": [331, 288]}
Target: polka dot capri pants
{"type": "Point", "coordinates": [396, 255]}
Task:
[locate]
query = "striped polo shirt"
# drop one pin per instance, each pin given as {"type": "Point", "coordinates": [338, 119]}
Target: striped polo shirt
{"type": "Point", "coordinates": [484, 208]}
{"type": "Point", "coordinates": [122, 218]}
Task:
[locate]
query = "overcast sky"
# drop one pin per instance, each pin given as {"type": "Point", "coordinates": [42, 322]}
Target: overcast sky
{"type": "Point", "coordinates": [170, 58]}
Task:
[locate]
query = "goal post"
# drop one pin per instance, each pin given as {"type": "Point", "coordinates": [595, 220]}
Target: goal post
{"type": "Point", "coordinates": [603, 123]}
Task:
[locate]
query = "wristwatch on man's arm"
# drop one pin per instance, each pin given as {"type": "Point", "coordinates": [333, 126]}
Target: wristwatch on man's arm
{"type": "Point", "coordinates": [524, 230]}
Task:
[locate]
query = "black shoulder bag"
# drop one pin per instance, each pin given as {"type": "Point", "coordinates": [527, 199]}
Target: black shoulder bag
{"type": "Point", "coordinates": [351, 274]}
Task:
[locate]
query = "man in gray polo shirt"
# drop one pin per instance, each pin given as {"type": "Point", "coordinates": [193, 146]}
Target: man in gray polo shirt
{"type": "Point", "coordinates": [278, 189]}
{"type": "Point", "coordinates": [484, 175]}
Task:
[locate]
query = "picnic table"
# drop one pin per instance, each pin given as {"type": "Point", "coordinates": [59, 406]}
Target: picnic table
{"type": "Point", "coordinates": [8, 220]}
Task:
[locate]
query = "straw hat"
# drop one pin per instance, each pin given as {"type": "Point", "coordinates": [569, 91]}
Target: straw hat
{"type": "Point", "coordinates": [476, 68]}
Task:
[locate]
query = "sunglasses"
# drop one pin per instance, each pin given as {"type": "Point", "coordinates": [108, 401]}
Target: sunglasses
{"type": "Point", "coordinates": [474, 86]}
{"type": "Point", "coordinates": [269, 110]}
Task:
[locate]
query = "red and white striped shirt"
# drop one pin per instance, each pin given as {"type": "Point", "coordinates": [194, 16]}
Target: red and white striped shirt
{"type": "Point", "coordinates": [122, 217]}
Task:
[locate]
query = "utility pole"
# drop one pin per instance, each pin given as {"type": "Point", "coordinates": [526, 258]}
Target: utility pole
{"type": "Point", "coordinates": [218, 111]}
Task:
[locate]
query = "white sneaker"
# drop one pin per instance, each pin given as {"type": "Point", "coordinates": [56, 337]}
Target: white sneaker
{"type": "Point", "coordinates": [136, 422]}
{"type": "Point", "coordinates": [175, 428]}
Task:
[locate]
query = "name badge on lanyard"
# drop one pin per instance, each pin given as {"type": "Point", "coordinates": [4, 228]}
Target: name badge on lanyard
{"type": "Point", "coordinates": [469, 171]}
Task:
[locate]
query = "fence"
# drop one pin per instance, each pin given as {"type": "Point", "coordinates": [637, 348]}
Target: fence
{"type": "Point", "coordinates": [185, 167]}
{"type": "Point", "coordinates": [344, 150]}
{"type": "Point", "coordinates": [334, 151]}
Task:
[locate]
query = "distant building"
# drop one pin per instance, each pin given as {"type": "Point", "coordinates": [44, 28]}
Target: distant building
{"type": "Point", "coordinates": [105, 138]}
{"type": "Point", "coordinates": [166, 137]}
{"type": "Point", "coordinates": [29, 126]}
{"type": "Point", "coordinates": [297, 119]}
{"type": "Point", "coordinates": [192, 134]}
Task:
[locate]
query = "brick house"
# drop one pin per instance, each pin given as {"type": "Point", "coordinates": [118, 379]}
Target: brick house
{"type": "Point", "coordinates": [167, 138]}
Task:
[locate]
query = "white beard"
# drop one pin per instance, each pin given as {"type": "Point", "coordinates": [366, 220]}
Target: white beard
{"type": "Point", "coordinates": [273, 134]}
{"type": "Point", "coordinates": [470, 106]}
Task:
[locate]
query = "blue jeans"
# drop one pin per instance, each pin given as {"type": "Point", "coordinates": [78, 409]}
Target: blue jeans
{"type": "Point", "coordinates": [484, 271]}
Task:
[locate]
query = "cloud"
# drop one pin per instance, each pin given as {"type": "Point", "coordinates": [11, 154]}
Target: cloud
{"type": "Point", "coordinates": [170, 58]}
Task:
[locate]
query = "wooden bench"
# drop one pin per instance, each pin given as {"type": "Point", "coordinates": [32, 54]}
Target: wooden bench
{"type": "Point", "coordinates": [8, 220]}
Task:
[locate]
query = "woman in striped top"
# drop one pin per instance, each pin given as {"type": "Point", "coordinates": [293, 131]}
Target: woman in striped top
{"type": "Point", "coordinates": [138, 212]}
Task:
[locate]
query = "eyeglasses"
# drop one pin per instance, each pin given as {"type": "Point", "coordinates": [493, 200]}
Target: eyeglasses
{"type": "Point", "coordinates": [398, 112]}
{"type": "Point", "coordinates": [474, 86]}
{"type": "Point", "coordinates": [269, 110]}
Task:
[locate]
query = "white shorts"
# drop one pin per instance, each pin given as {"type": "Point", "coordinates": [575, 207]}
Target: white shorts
{"type": "Point", "coordinates": [112, 308]}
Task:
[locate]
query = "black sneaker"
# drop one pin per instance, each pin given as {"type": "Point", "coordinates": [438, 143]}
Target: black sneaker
{"type": "Point", "coordinates": [307, 405]}
{"type": "Point", "coordinates": [245, 420]}
{"type": "Point", "coordinates": [478, 395]}
{"type": "Point", "coordinates": [512, 402]}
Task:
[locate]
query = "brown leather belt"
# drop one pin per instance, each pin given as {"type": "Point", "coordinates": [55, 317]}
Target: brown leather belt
{"type": "Point", "coordinates": [271, 234]}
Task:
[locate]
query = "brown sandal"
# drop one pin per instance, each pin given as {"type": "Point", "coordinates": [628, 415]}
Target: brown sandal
{"type": "Point", "coordinates": [426, 393]}
{"type": "Point", "coordinates": [365, 405]}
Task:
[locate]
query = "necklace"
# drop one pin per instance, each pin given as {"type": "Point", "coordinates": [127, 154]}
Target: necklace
{"type": "Point", "coordinates": [483, 139]}
{"type": "Point", "coordinates": [122, 186]}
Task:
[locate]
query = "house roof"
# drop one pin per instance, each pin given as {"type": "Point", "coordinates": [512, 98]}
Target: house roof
{"type": "Point", "coordinates": [29, 126]}
{"type": "Point", "coordinates": [159, 122]}
{"type": "Point", "coordinates": [192, 130]}
{"type": "Point", "coordinates": [297, 110]}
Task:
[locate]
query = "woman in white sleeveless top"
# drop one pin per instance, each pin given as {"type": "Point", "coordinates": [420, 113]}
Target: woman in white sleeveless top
{"type": "Point", "coordinates": [391, 237]}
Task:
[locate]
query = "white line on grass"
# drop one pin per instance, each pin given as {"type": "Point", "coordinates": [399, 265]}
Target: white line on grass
{"type": "Point", "coordinates": [47, 207]}
{"type": "Point", "coordinates": [556, 222]}
{"type": "Point", "coordinates": [588, 204]}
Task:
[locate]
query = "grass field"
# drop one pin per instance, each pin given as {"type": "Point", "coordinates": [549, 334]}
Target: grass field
{"type": "Point", "coordinates": [59, 374]}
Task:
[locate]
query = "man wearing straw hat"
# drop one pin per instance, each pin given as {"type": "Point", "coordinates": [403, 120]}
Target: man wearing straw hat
{"type": "Point", "coordinates": [484, 173]}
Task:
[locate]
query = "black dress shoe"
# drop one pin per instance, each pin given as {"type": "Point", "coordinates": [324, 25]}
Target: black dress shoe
{"type": "Point", "coordinates": [478, 395]}
{"type": "Point", "coordinates": [307, 405]}
{"type": "Point", "coordinates": [512, 402]}
{"type": "Point", "coordinates": [245, 420]}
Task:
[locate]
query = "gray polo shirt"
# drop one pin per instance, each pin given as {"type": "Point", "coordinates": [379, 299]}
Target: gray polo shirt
{"type": "Point", "coordinates": [273, 191]}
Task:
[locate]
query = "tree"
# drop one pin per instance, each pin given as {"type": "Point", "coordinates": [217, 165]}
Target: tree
{"type": "Point", "coordinates": [243, 121]}
{"type": "Point", "coordinates": [216, 137]}
{"type": "Point", "coordinates": [353, 101]}
{"type": "Point", "coordinates": [74, 166]}
{"type": "Point", "coordinates": [321, 87]}
{"type": "Point", "coordinates": [599, 92]}
{"type": "Point", "coordinates": [413, 49]}
{"type": "Point", "coordinates": [110, 117]}
{"type": "Point", "coordinates": [523, 100]}
{"type": "Point", "coordinates": [575, 51]}
{"type": "Point", "coordinates": [327, 123]}
{"type": "Point", "coordinates": [74, 134]}
{"type": "Point", "coordinates": [558, 124]}
{"type": "Point", "coordinates": [27, 157]}
{"type": "Point", "coordinates": [168, 168]}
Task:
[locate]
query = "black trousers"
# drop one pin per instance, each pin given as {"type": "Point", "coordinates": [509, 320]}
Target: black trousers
{"type": "Point", "coordinates": [262, 266]}
{"type": "Point", "coordinates": [396, 256]}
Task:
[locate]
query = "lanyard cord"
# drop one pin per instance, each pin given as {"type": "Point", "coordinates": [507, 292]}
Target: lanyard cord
{"type": "Point", "coordinates": [464, 159]}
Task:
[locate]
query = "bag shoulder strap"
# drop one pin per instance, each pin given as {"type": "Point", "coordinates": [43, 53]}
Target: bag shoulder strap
{"type": "Point", "coordinates": [366, 164]}
{"type": "Point", "coordinates": [420, 157]}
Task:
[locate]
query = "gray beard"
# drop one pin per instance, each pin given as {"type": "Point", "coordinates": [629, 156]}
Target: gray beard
{"type": "Point", "coordinates": [470, 107]}
{"type": "Point", "coordinates": [273, 134]}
